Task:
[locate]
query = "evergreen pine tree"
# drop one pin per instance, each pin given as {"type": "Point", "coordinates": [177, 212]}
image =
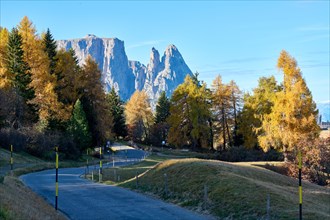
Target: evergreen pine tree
{"type": "Point", "coordinates": [78, 127]}
{"type": "Point", "coordinates": [117, 111]}
{"type": "Point", "coordinates": [160, 129]}
{"type": "Point", "coordinates": [17, 66]}
{"type": "Point", "coordinates": [162, 108]}
{"type": "Point", "coordinates": [50, 48]}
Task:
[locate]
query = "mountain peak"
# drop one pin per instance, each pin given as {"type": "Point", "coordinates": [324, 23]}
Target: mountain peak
{"type": "Point", "coordinates": [154, 60]}
{"type": "Point", "coordinates": [163, 73]}
{"type": "Point", "coordinates": [90, 36]}
{"type": "Point", "coordinates": [172, 51]}
{"type": "Point", "coordinates": [171, 47]}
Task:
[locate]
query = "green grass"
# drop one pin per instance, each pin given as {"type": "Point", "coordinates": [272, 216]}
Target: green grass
{"type": "Point", "coordinates": [237, 191]}
{"type": "Point", "coordinates": [121, 174]}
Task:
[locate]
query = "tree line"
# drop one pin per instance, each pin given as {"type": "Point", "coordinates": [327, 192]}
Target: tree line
{"type": "Point", "coordinates": [46, 96]}
{"type": "Point", "coordinates": [47, 99]}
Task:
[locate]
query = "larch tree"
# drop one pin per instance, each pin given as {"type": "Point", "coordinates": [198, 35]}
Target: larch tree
{"type": "Point", "coordinates": [98, 113]}
{"type": "Point", "coordinates": [293, 116]}
{"type": "Point", "coordinates": [190, 115]}
{"type": "Point", "coordinates": [69, 77]}
{"type": "Point", "coordinates": [6, 78]}
{"type": "Point", "coordinates": [139, 116]}
{"type": "Point", "coordinates": [256, 106]}
{"type": "Point", "coordinates": [42, 82]}
{"type": "Point", "coordinates": [235, 99]}
{"type": "Point", "coordinates": [221, 108]}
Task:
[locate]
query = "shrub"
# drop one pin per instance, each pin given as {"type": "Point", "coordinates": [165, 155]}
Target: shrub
{"type": "Point", "coordinates": [9, 136]}
{"type": "Point", "coordinates": [316, 163]}
{"type": "Point", "coordinates": [240, 154]}
{"type": "Point", "coordinates": [39, 144]}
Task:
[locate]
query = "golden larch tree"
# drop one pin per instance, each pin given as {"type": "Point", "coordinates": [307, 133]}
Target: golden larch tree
{"type": "Point", "coordinates": [221, 107]}
{"type": "Point", "coordinates": [293, 116]}
{"type": "Point", "coordinates": [139, 117]}
{"type": "Point", "coordinates": [5, 75]}
{"type": "Point", "coordinates": [190, 116]}
{"type": "Point", "coordinates": [93, 99]}
{"type": "Point", "coordinates": [43, 83]}
{"type": "Point", "coordinates": [256, 106]}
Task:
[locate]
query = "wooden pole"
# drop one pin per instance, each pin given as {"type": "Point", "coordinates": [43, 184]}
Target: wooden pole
{"type": "Point", "coordinates": [300, 187]}
{"type": "Point", "coordinates": [56, 179]}
{"type": "Point", "coordinates": [87, 163]}
{"type": "Point", "coordinates": [100, 174]}
{"type": "Point", "coordinates": [11, 157]}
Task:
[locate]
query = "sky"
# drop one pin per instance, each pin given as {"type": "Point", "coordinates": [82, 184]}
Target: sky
{"type": "Point", "coordinates": [239, 40]}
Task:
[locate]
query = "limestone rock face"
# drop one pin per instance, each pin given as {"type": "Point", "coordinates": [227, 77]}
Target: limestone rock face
{"type": "Point", "coordinates": [170, 72]}
{"type": "Point", "coordinates": [161, 74]}
{"type": "Point", "coordinates": [139, 71]}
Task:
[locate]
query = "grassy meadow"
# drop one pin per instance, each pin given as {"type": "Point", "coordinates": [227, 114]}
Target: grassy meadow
{"type": "Point", "coordinates": [222, 189]}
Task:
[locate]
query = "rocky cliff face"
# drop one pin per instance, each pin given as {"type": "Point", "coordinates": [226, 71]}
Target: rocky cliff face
{"type": "Point", "coordinates": [161, 74]}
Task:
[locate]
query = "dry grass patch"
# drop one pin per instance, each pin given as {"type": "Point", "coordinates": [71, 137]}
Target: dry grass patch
{"type": "Point", "coordinates": [19, 202]}
{"type": "Point", "coordinates": [237, 191]}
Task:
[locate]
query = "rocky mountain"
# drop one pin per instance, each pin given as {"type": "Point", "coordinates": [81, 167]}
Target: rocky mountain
{"type": "Point", "coordinates": [161, 74]}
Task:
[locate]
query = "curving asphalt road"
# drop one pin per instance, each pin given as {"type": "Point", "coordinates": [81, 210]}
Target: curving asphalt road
{"type": "Point", "coordinates": [83, 199]}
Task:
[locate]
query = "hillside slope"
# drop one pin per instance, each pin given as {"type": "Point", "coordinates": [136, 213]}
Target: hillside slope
{"type": "Point", "coordinates": [234, 191]}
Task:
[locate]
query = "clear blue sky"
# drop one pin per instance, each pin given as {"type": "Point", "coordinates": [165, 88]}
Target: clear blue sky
{"type": "Point", "coordinates": [240, 40]}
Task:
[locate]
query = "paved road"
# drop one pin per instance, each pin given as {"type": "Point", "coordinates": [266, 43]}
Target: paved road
{"type": "Point", "coordinates": [83, 199]}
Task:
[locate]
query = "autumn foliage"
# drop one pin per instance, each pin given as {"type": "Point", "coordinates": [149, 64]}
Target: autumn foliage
{"type": "Point", "coordinates": [45, 95]}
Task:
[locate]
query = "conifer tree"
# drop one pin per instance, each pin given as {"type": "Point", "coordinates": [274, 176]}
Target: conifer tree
{"type": "Point", "coordinates": [6, 78]}
{"type": "Point", "coordinates": [50, 48]}
{"type": "Point", "coordinates": [42, 82]}
{"type": "Point", "coordinates": [190, 115]}
{"type": "Point", "coordinates": [221, 107]}
{"type": "Point", "coordinates": [162, 108]}
{"type": "Point", "coordinates": [160, 129]}
{"type": "Point", "coordinates": [117, 111]}
{"type": "Point", "coordinates": [17, 67]}
{"type": "Point", "coordinates": [78, 127]}
{"type": "Point", "coordinates": [97, 110]}
{"type": "Point", "coordinates": [293, 116]}
{"type": "Point", "coordinates": [256, 107]}
{"type": "Point", "coordinates": [69, 86]}
{"type": "Point", "coordinates": [139, 116]}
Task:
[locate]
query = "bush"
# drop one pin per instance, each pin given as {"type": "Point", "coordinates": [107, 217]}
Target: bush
{"type": "Point", "coordinates": [240, 154]}
{"type": "Point", "coordinates": [9, 136]}
{"type": "Point", "coordinates": [315, 160]}
{"type": "Point", "coordinates": [38, 143]}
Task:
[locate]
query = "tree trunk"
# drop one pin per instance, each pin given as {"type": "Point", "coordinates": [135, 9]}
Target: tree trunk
{"type": "Point", "coordinates": [223, 128]}
{"type": "Point", "coordinates": [229, 140]}
{"type": "Point", "coordinates": [285, 154]}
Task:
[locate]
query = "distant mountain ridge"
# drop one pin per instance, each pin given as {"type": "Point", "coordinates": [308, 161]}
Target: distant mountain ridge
{"type": "Point", "coordinates": [161, 74]}
{"type": "Point", "coordinates": [324, 111]}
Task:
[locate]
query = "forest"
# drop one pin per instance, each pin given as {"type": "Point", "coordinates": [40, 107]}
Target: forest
{"type": "Point", "coordinates": [47, 100]}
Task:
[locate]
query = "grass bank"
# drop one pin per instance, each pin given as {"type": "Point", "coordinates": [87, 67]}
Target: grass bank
{"type": "Point", "coordinates": [225, 190]}
{"type": "Point", "coordinates": [18, 201]}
